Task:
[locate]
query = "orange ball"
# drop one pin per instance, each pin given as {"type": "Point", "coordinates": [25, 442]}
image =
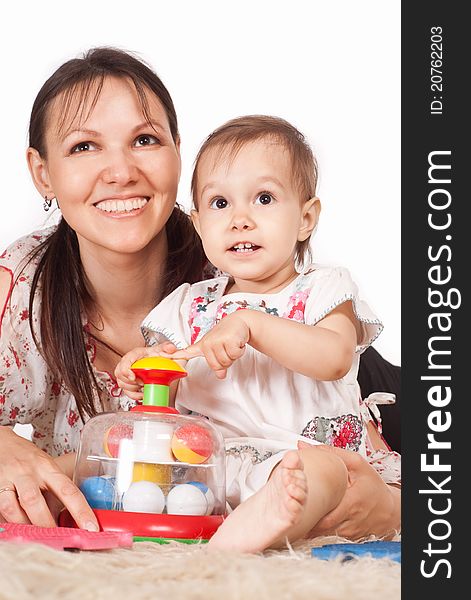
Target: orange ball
{"type": "Point", "coordinates": [192, 444]}
{"type": "Point", "coordinates": [113, 436]}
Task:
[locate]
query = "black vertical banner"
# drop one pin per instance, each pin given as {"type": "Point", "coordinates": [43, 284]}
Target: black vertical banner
{"type": "Point", "coordinates": [436, 357]}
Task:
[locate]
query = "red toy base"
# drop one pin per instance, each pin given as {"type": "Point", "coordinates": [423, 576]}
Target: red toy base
{"type": "Point", "coordinates": [152, 525]}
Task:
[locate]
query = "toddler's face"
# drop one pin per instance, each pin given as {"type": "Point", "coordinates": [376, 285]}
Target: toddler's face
{"type": "Point", "coordinates": [249, 211]}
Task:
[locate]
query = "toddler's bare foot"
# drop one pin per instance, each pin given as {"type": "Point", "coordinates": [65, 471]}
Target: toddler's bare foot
{"type": "Point", "coordinates": [264, 519]}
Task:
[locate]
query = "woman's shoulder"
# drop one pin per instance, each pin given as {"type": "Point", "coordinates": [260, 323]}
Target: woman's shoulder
{"type": "Point", "coordinates": [18, 264]}
{"type": "Point", "coordinates": [16, 255]}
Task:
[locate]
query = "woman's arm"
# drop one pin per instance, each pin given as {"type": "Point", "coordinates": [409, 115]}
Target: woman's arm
{"type": "Point", "coordinates": [376, 374]}
{"type": "Point", "coordinates": [29, 474]}
{"type": "Point", "coordinates": [323, 351]}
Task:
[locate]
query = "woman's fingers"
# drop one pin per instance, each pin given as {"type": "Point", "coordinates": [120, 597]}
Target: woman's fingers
{"type": "Point", "coordinates": [54, 504]}
{"type": "Point", "coordinates": [10, 509]}
{"type": "Point", "coordinates": [32, 501]}
{"type": "Point", "coordinates": [73, 500]}
{"type": "Point", "coordinates": [27, 503]}
{"type": "Point", "coordinates": [369, 506]}
{"type": "Point", "coordinates": [29, 472]}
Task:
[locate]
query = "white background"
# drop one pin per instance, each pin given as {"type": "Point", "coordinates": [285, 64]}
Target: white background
{"type": "Point", "coordinates": [332, 68]}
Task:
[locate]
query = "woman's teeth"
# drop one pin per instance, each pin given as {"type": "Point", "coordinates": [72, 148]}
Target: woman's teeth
{"type": "Point", "coordinates": [121, 205]}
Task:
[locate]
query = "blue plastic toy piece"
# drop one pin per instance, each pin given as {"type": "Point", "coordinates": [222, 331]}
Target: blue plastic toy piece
{"type": "Point", "coordinates": [99, 491]}
{"type": "Point", "coordinates": [378, 549]}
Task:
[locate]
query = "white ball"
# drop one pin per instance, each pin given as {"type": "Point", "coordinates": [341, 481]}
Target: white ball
{"type": "Point", "coordinates": [145, 497]}
{"type": "Point", "coordinates": [186, 499]}
{"type": "Point", "coordinates": [210, 499]}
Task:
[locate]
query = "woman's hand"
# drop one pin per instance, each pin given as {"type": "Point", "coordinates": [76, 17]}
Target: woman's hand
{"type": "Point", "coordinates": [369, 506]}
{"type": "Point", "coordinates": [221, 346]}
{"type": "Point", "coordinates": [27, 475]}
{"type": "Point", "coordinates": [126, 379]}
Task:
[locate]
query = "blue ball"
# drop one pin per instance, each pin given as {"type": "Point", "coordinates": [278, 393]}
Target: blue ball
{"type": "Point", "coordinates": [99, 491]}
{"type": "Point", "coordinates": [210, 499]}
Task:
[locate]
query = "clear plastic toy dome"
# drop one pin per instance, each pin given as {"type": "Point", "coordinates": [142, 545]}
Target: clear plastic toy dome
{"type": "Point", "coordinates": [152, 470]}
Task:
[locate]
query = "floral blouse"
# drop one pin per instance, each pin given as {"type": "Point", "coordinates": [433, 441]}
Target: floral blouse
{"type": "Point", "coordinates": [260, 399]}
{"type": "Point", "coordinates": [29, 393]}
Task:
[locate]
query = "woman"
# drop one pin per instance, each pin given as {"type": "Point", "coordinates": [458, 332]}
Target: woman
{"type": "Point", "coordinates": [104, 143]}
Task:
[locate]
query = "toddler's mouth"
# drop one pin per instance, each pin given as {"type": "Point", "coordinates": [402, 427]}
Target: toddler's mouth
{"type": "Point", "coordinates": [244, 247]}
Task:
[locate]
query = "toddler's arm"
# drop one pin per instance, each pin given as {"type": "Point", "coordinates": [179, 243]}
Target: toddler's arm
{"type": "Point", "coordinates": [323, 351]}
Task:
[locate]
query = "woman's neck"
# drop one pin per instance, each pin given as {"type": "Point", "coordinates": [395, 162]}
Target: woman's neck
{"type": "Point", "coordinates": [124, 287]}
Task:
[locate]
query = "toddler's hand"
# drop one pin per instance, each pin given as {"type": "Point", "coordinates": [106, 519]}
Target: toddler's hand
{"type": "Point", "coordinates": [221, 346]}
{"type": "Point", "coordinates": [126, 379]}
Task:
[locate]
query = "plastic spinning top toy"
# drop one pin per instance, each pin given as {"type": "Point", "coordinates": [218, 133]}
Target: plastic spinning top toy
{"type": "Point", "coordinates": [153, 471]}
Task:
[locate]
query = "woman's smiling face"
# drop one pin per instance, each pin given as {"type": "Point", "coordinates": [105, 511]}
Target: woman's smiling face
{"type": "Point", "coordinates": [114, 174]}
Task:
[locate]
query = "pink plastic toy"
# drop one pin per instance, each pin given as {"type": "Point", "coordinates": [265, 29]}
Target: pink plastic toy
{"type": "Point", "coordinates": [61, 538]}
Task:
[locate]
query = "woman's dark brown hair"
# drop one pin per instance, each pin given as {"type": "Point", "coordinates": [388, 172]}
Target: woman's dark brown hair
{"type": "Point", "coordinates": [59, 274]}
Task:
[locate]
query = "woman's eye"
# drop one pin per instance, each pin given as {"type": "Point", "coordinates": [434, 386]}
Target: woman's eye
{"type": "Point", "coordinates": [83, 147]}
{"type": "Point", "coordinates": [218, 203]}
{"type": "Point", "coordinates": [146, 140]}
{"type": "Point", "coordinates": [264, 199]}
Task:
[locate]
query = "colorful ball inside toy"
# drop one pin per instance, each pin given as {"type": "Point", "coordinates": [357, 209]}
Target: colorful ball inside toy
{"type": "Point", "coordinates": [144, 497]}
{"type": "Point", "coordinates": [186, 499]}
{"type": "Point", "coordinates": [99, 491]}
{"type": "Point", "coordinates": [192, 444]}
{"type": "Point", "coordinates": [210, 499]}
{"type": "Point", "coordinates": [160, 474]}
{"type": "Point", "coordinates": [113, 437]}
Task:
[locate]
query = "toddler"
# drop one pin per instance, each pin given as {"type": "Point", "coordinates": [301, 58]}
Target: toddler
{"type": "Point", "coordinates": [273, 343]}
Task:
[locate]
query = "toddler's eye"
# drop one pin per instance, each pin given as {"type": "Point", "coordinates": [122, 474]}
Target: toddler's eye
{"type": "Point", "coordinates": [218, 203]}
{"type": "Point", "coordinates": [264, 199]}
{"type": "Point", "coordinates": [83, 147]}
{"type": "Point", "coordinates": [146, 140]}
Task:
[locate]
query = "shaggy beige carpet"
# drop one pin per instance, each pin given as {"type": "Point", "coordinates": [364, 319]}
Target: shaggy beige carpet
{"type": "Point", "coordinates": [179, 572]}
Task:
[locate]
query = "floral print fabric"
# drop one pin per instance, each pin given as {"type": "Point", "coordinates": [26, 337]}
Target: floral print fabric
{"type": "Point", "coordinates": [29, 393]}
{"type": "Point", "coordinates": [260, 399]}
